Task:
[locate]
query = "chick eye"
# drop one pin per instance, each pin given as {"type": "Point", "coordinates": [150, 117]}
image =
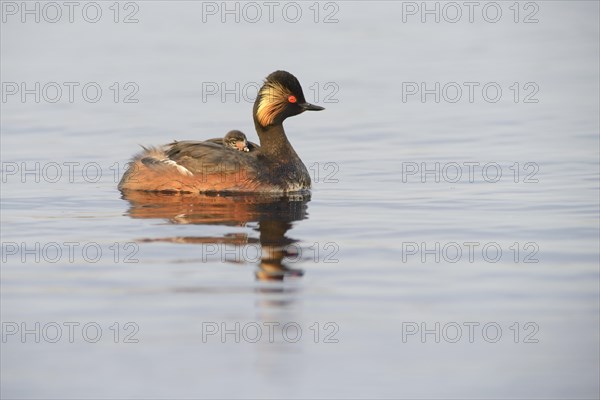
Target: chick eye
{"type": "Point", "coordinates": [292, 99]}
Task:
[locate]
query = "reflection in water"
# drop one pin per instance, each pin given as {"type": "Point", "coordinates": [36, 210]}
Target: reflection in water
{"type": "Point", "coordinates": [274, 215]}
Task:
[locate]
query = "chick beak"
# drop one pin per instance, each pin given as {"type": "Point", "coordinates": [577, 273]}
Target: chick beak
{"type": "Point", "coordinates": [310, 107]}
{"type": "Point", "coordinates": [241, 145]}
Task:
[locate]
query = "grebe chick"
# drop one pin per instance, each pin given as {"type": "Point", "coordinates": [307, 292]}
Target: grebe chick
{"type": "Point", "coordinates": [235, 140]}
{"type": "Point", "coordinates": [195, 166]}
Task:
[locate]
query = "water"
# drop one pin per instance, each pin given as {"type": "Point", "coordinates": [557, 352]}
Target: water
{"type": "Point", "coordinates": [373, 259]}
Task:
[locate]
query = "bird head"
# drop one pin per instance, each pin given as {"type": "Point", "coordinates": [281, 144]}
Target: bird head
{"type": "Point", "coordinates": [280, 97]}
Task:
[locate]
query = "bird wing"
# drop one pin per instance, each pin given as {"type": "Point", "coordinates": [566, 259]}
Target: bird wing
{"type": "Point", "coordinates": [216, 163]}
{"type": "Point", "coordinates": [218, 141]}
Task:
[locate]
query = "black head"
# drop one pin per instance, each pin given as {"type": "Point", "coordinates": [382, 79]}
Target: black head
{"type": "Point", "coordinates": [280, 97]}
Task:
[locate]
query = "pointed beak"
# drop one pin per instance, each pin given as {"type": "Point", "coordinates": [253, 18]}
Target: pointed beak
{"type": "Point", "coordinates": [310, 107]}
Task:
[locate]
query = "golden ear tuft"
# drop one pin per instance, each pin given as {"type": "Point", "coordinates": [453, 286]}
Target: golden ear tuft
{"type": "Point", "coordinates": [273, 100]}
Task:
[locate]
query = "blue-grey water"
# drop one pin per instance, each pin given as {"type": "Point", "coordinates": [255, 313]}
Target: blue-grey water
{"type": "Point", "coordinates": [449, 248]}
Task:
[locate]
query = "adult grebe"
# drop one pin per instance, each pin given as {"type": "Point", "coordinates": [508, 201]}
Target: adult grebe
{"type": "Point", "coordinates": [194, 166]}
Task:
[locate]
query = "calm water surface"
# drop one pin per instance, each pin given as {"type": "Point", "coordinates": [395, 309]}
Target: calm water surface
{"type": "Point", "coordinates": [402, 275]}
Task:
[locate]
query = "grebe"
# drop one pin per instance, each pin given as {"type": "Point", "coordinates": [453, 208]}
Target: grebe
{"type": "Point", "coordinates": [193, 166]}
{"type": "Point", "coordinates": [236, 140]}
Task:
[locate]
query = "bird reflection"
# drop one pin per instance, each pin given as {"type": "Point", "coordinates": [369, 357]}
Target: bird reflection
{"type": "Point", "coordinates": [274, 215]}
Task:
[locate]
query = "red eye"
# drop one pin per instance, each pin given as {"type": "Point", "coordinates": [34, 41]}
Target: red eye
{"type": "Point", "coordinates": [292, 99]}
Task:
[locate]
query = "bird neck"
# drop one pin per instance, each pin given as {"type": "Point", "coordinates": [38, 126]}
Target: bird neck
{"type": "Point", "coordinates": [274, 143]}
